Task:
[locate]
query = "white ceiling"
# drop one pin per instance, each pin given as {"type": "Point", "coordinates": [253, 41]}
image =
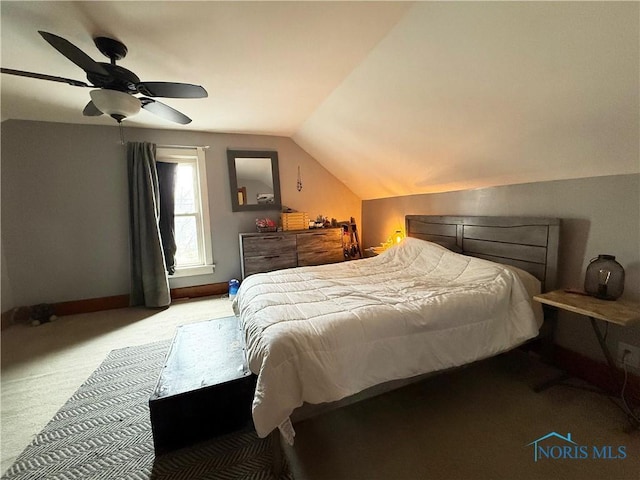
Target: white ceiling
{"type": "Point", "coordinates": [393, 98]}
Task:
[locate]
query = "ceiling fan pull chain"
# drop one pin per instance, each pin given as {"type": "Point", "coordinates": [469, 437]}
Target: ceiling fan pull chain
{"type": "Point", "coordinates": [121, 133]}
{"type": "Point", "coordinates": [299, 183]}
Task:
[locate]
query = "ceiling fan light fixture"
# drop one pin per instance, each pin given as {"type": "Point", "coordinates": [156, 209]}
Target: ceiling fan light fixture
{"type": "Point", "coordinates": [118, 105]}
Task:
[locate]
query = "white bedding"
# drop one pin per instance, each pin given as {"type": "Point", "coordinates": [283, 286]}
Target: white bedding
{"type": "Point", "coordinates": [319, 334]}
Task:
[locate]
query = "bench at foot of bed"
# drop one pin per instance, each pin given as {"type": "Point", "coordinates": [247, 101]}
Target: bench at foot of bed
{"type": "Point", "coordinates": [205, 387]}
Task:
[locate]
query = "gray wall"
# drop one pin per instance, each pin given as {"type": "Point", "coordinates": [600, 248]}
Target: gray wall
{"type": "Point", "coordinates": [599, 215]}
{"type": "Point", "coordinates": [65, 215]}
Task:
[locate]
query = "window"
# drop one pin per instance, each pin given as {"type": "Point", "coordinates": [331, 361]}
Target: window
{"type": "Point", "coordinates": [192, 228]}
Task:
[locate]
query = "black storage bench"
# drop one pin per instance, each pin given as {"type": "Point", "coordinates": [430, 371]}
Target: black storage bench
{"type": "Point", "coordinates": [205, 388]}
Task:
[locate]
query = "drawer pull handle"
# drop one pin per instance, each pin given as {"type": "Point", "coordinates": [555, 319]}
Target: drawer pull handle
{"type": "Point", "coordinates": [273, 238]}
{"type": "Point", "coordinates": [269, 257]}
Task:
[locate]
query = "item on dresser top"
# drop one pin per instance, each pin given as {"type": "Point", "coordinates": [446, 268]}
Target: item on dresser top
{"type": "Point", "coordinates": [295, 221]}
{"type": "Point", "coordinates": [266, 225]}
{"type": "Point", "coordinates": [322, 222]}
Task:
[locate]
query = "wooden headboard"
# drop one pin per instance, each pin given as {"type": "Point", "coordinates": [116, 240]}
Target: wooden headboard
{"type": "Point", "coordinates": [529, 243]}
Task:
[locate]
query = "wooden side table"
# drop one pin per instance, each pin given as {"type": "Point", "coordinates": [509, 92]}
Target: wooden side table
{"type": "Point", "coordinates": [619, 312]}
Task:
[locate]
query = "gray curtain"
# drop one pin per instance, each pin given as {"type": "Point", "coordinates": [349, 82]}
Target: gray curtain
{"type": "Point", "coordinates": [149, 282]}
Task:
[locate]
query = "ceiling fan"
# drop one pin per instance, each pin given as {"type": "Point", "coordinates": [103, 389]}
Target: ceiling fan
{"type": "Point", "coordinates": [115, 86]}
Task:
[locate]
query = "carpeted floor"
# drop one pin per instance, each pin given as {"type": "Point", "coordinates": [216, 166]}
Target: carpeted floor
{"type": "Point", "coordinates": [103, 432]}
{"type": "Point", "coordinates": [475, 423]}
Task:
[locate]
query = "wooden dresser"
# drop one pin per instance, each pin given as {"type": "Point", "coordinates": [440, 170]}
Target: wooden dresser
{"type": "Point", "coordinates": [264, 252]}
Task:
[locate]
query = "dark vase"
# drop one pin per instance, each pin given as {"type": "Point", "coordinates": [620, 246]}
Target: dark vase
{"type": "Point", "coordinates": [604, 278]}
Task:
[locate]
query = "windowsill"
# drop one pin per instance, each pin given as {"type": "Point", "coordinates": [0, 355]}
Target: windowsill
{"type": "Point", "coordinates": [193, 271]}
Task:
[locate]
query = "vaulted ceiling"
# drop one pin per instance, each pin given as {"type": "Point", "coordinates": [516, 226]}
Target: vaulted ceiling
{"type": "Point", "coordinates": [394, 98]}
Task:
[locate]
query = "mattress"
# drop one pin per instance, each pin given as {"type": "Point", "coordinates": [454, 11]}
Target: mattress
{"type": "Point", "coordinates": [319, 334]}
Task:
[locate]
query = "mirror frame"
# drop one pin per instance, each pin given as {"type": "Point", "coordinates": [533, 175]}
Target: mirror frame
{"type": "Point", "coordinates": [233, 179]}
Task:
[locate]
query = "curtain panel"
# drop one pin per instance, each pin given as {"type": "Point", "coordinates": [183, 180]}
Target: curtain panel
{"type": "Point", "coordinates": [149, 282]}
{"type": "Point", "coordinates": [167, 184]}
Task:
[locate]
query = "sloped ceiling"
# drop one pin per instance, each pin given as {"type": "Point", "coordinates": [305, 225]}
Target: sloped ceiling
{"type": "Point", "coordinates": [393, 98]}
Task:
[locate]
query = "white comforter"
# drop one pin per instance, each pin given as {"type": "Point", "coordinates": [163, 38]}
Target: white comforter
{"type": "Point", "coordinates": [319, 334]}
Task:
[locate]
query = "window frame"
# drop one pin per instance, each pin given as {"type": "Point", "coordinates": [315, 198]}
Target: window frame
{"type": "Point", "coordinates": [194, 156]}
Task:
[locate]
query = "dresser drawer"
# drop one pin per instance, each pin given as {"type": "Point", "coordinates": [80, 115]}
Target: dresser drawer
{"type": "Point", "coordinates": [320, 247]}
{"type": "Point", "coordinates": [268, 244]}
{"type": "Point", "coordinates": [319, 239]}
{"type": "Point", "coordinates": [320, 257]}
{"type": "Point", "coordinates": [268, 263]}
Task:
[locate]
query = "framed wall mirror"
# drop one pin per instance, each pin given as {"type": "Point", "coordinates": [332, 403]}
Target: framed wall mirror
{"type": "Point", "coordinates": [254, 179]}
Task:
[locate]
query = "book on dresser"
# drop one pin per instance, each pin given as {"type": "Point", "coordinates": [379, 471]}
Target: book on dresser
{"type": "Point", "coordinates": [264, 252]}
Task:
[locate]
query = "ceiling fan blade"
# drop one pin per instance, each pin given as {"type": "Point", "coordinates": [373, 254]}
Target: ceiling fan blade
{"type": "Point", "coordinates": [90, 110]}
{"type": "Point", "coordinates": [171, 90]}
{"type": "Point", "coordinates": [164, 111]}
{"type": "Point", "coordinates": [41, 76]}
{"type": "Point", "coordinates": [74, 54]}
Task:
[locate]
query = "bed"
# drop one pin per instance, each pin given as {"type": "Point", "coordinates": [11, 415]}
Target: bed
{"type": "Point", "coordinates": [457, 290]}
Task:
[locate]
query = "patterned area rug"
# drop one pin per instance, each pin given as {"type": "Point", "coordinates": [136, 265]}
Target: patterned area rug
{"type": "Point", "coordinates": [103, 432]}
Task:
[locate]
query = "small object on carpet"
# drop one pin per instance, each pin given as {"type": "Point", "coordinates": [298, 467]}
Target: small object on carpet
{"type": "Point", "coordinates": [103, 432]}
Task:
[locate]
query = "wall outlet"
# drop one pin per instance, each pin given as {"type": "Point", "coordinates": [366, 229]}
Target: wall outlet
{"type": "Point", "coordinates": [633, 357]}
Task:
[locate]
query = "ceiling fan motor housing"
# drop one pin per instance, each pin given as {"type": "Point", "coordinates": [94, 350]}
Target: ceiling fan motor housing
{"type": "Point", "coordinates": [119, 79]}
{"type": "Point", "coordinates": [110, 48]}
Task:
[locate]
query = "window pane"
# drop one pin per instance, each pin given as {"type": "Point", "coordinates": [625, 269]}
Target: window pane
{"type": "Point", "coordinates": [186, 241]}
{"type": "Point", "coordinates": [185, 194]}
